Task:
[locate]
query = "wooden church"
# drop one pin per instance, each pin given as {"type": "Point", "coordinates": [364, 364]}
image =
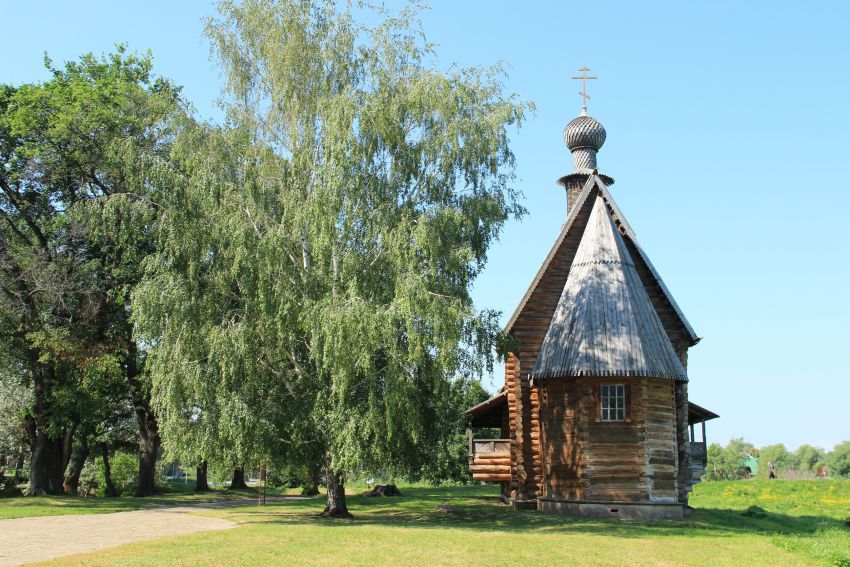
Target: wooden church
{"type": "Point", "coordinates": [594, 414]}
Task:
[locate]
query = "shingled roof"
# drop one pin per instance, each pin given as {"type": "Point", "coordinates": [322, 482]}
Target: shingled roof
{"type": "Point", "coordinates": [677, 327]}
{"type": "Point", "coordinates": [605, 323]}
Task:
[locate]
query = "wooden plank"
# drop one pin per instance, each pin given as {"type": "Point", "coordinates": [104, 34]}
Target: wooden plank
{"type": "Point", "coordinates": [492, 477]}
{"type": "Point", "coordinates": [495, 469]}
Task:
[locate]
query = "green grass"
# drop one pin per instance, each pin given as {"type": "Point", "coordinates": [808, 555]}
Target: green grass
{"type": "Point", "coordinates": [811, 517]}
{"type": "Point", "coordinates": [734, 523]}
{"type": "Point", "coordinates": [173, 494]}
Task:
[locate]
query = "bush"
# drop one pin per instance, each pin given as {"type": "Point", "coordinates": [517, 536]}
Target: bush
{"type": "Point", "coordinates": [839, 460]}
{"type": "Point", "coordinates": [125, 474]}
{"type": "Point", "coordinates": [728, 463]}
{"type": "Point", "coordinates": [8, 484]}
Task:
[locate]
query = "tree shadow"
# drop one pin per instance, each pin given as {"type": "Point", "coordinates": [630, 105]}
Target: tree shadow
{"type": "Point", "coordinates": [420, 510]}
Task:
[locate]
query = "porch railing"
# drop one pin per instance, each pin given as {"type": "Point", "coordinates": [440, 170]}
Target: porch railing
{"type": "Point", "coordinates": [490, 459]}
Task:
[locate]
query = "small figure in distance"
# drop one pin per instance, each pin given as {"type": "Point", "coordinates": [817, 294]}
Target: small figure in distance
{"type": "Point", "coordinates": [771, 474]}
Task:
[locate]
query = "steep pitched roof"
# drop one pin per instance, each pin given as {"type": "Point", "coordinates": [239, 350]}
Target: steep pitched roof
{"type": "Point", "coordinates": [676, 324]}
{"type": "Point", "coordinates": [605, 323]}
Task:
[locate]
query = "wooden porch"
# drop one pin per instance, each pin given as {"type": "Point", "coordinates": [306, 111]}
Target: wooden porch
{"type": "Point", "coordinates": [490, 459]}
{"type": "Point", "coordinates": [698, 415]}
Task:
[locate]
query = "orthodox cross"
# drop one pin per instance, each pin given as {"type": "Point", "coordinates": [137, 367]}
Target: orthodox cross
{"type": "Point", "coordinates": [584, 78]}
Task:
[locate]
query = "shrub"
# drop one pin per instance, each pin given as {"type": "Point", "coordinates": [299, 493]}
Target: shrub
{"type": "Point", "coordinates": [839, 460]}
{"type": "Point", "coordinates": [125, 474]}
{"type": "Point", "coordinates": [8, 484]}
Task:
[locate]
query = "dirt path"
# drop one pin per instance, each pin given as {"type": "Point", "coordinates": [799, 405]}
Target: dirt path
{"type": "Point", "coordinates": [25, 540]}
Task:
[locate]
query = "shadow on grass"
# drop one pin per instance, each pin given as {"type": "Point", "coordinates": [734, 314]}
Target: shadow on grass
{"type": "Point", "coordinates": [168, 495]}
{"type": "Point", "coordinates": [467, 509]}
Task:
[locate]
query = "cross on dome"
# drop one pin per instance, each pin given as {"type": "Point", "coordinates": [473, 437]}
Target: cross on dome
{"type": "Point", "coordinates": [584, 96]}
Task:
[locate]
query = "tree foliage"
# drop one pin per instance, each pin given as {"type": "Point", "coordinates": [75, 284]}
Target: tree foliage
{"type": "Point", "coordinates": [807, 458]}
{"type": "Point", "coordinates": [728, 463]}
{"type": "Point", "coordinates": [313, 282]}
{"type": "Point", "coordinates": [839, 460]}
{"type": "Point", "coordinates": [780, 457]}
{"type": "Point", "coordinates": [77, 155]}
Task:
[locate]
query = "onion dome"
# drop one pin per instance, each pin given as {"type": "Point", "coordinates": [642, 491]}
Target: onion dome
{"type": "Point", "coordinates": [584, 135]}
{"type": "Point", "coordinates": [584, 132]}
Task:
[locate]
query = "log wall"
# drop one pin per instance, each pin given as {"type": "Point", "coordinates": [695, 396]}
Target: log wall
{"type": "Point", "coordinates": [586, 459]}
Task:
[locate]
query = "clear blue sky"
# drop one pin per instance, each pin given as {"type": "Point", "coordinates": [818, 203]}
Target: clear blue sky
{"type": "Point", "coordinates": [727, 136]}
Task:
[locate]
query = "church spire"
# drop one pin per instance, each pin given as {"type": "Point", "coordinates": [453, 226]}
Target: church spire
{"type": "Point", "coordinates": [584, 136]}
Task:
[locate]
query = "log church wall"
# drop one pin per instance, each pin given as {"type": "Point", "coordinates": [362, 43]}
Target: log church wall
{"type": "Point", "coordinates": [586, 459]}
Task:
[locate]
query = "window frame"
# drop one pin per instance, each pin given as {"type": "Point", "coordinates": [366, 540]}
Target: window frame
{"type": "Point", "coordinates": [597, 390]}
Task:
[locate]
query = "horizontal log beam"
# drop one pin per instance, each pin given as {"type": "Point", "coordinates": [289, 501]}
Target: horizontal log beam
{"type": "Point", "coordinates": [492, 477]}
{"type": "Point", "coordinates": [499, 462]}
{"type": "Point", "coordinates": [487, 456]}
{"type": "Point", "coordinates": [496, 469]}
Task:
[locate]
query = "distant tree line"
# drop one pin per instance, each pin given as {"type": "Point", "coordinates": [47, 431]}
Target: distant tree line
{"type": "Point", "coordinates": [734, 461]}
{"type": "Point", "coordinates": [288, 289]}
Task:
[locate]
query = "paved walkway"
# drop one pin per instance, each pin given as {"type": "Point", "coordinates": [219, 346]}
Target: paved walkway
{"type": "Point", "coordinates": [26, 540]}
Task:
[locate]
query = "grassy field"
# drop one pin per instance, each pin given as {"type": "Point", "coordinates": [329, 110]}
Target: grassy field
{"type": "Point", "coordinates": [176, 494]}
{"type": "Point", "coordinates": [734, 523]}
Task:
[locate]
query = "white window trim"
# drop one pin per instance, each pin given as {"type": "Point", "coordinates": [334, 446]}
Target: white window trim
{"type": "Point", "coordinates": [615, 393]}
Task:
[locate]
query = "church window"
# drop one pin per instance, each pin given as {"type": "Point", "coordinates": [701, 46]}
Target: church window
{"type": "Point", "coordinates": [612, 400]}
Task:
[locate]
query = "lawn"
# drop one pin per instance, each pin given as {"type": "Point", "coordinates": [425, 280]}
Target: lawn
{"type": "Point", "coordinates": [734, 523]}
{"type": "Point", "coordinates": [175, 494]}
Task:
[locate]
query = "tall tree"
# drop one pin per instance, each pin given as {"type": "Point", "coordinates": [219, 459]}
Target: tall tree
{"type": "Point", "coordinates": [313, 289]}
{"type": "Point", "coordinates": [806, 457]}
{"type": "Point", "coordinates": [78, 153]}
{"type": "Point", "coordinates": [728, 463]}
{"type": "Point", "coordinates": [778, 455]}
{"type": "Point", "coordinates": [839, 460]}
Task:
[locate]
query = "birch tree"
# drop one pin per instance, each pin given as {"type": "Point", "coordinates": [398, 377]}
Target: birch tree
{"type": "Point", "coordinates": [311, 293]}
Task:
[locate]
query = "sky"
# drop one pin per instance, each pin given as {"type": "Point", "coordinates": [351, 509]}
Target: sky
{"type": "Point", "coordinates": [727, 131]}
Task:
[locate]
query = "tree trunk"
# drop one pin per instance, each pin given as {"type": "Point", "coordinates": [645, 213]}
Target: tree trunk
{"type": "Point", "coordinates": [201, 484]}
{"type": "Point", "coordinates": [335, 507]}
{"type": "Point", "coordinates": [311, 487]}
{"type": "Point", "coordinates": [19, 464]}
{"type": "Point", "coordinates": [238, 479]}
{"type": "Point", "coordinates": [45, 466]}
{"type": "Point", "coordinates": [67, 446]}
{"type": "Point", "coordinates": [149, 440]}
{"type": "Point", "coordinates": [78, 460]}
{"type": "Point", "coordinates": [148, 452]}
{"type": "Point", "coordinates": [109, 490]}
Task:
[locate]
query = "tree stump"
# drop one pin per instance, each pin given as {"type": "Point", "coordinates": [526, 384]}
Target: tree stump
{"type": "Point", "coordinates": [383, 490]}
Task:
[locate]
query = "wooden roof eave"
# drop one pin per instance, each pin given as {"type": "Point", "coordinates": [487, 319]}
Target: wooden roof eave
{"type": "Point", "coordinates": [488, 413]}
{"type": "Point", "coordinates": [698, 414]}
{"type": "Point", "coordinates": [487, 404]}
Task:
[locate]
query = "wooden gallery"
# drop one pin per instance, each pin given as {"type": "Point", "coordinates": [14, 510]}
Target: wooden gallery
{"type": "Point", "coordinates": [594, 414]}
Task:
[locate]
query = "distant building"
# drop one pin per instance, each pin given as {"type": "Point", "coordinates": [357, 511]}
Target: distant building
{"type": "Point", "coordinates": [594, 413]}
{"type": "Point", "coordinates": [751, 464]}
